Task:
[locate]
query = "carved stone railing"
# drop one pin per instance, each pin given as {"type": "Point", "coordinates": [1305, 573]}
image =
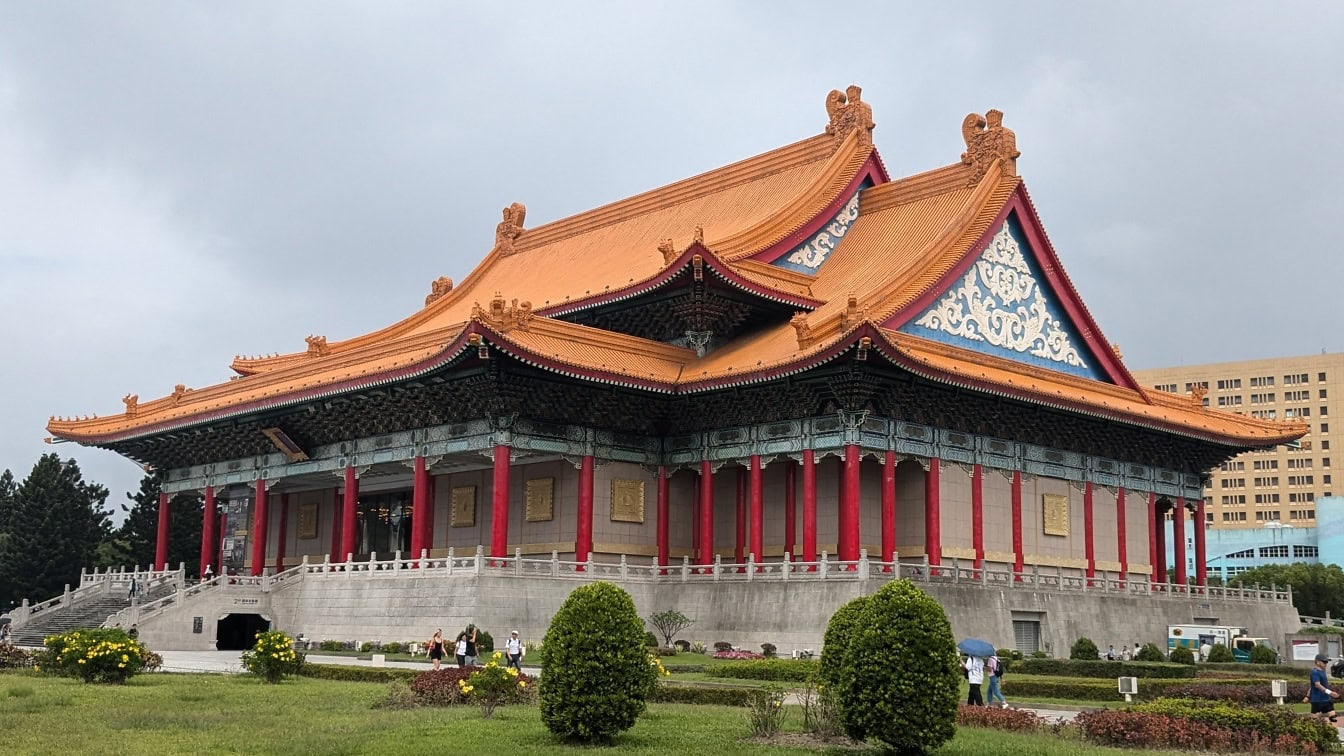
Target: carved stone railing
{"type": "Point", "coordinates": [96, 585]}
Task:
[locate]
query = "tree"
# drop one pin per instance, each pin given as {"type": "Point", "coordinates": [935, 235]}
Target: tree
{"type": "Point", "coordinates": [136, 541]}
{"type": "Point", "coordinates": [1084, 648]}
{"type": "Point", "coordinates": [669, 623]}
{"type": "Point", "coordinates": [54, 523]}
{"type": "Point", "coordinates": [1317, 588]}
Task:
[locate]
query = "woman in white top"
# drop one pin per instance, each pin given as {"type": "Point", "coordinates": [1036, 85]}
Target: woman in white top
{"type": "Point", "coordinates": [461, 650]}
{"type": "Point", "coordinates": [975, 675]}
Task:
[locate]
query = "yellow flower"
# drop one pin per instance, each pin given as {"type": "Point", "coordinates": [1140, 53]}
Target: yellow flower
{"type": "Point", "coordinates": [522, 683]}
{"type": "Point", "coordinates": [121, 666]}
{"type": "Point", "coordinates": [513, 672]}
{"type": "Point", "coordinates": [81, 661]}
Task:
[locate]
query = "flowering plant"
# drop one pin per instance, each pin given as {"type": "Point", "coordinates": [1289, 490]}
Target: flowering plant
{"type": "Point", "coordinates": [492, 685]}
{"type": "Point", "coordinates": [272, 657]}
{"type": "Point", "coordinates": [737, 655]}
{"type": "Point", "coordinates": [97, 656]}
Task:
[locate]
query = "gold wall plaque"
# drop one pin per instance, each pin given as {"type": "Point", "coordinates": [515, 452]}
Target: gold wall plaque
{"type": "Point", "coordinates": [308, 520]}
{"type": "Point", "coordinates": [540, 499]}
{"type": "Point", "coordinates": [464, 507]}
{"type": "Point", "coordinates": [1055, 514]}
{"type": "Point", "coordinates": [627, 501]}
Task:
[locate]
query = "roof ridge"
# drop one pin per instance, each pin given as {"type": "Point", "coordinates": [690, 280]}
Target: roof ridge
{"type": "Point", "coordinates": [601, 337]}
{"type": "Point", "coordinates": [914, 188]}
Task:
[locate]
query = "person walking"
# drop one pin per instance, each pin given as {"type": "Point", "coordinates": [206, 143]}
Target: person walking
{"type": "Point", "coordinates": [514, 650]}
{"type": "Point", "coordinates": [1320, 696]}
{"type": "Point", "coordinates": [471, 645]}
{"type": "Point", "coordinates": [130, 592]}
{"type": "Point", "coordinates": [461, 649]}
{"type": "Point", "coordinates": [436, 648]}
{"type": "Point", "coordinates": [975, 675]}
{"type": "Point", "coordinates": [995, 671]}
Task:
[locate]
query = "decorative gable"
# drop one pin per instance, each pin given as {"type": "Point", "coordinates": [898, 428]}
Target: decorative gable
{"type": "Point", "coordinates": [1002, 305]}
{"type": "Point", "coordinates": [808, 256]}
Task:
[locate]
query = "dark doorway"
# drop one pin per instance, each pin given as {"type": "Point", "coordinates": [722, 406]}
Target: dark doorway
{"type": "Point", "coordinates": [238, 632]}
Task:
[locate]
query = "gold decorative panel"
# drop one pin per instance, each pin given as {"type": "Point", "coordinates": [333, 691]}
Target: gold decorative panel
{"type": "Point", "coordinates": [464, 507]}
{"type": "Point", "coordinates": [1055, 514]}
{"type": "Point", "coordinates": [308, 520]}
{"type": "Point", "coordinates": [540, 499]}
{"type": "Point", "coordinates": [627, 501]}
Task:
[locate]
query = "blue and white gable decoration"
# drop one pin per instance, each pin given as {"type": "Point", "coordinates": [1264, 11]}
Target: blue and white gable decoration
{"type": "Point", "coordinates": [1000, 307]}
{"type": "Point", "coordinates": [809, 256]}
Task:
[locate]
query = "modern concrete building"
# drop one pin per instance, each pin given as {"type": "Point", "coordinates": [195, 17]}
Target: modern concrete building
{"type": "Point", "coordinates": [1281, 484]}
{"type": "Point", "coordinates": [1232, 551]}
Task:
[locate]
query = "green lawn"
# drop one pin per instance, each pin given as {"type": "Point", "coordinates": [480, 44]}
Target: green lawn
{"type": "Point", "coordinates": [165, 714]}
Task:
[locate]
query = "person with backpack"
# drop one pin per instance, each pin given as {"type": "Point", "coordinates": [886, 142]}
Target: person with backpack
{"type": "Point", "coordinates": [994, 669]}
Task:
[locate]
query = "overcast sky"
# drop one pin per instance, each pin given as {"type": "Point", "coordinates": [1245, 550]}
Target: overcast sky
{"type": "Point", "coordinates": [181, 182]}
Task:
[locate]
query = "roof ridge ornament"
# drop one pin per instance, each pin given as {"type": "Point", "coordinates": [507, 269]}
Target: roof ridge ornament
{"type": "Point", "coordinates": [504, 316]}
{"type": "Point", "coordinates": [438, 289]}
{"type": "Point", "coordinates": [987, 140]}
{"type": "Point", "coordinates": [132, 402]}
{"type": "Point", "coordinates": [509, 228]}
{"type": "Point", "coordinates": [852, 314]}
{"type": "Point", "coordinates": [849, 113]}
{"type": "Point", "coordinates": [802, 330]}
{"type": "Point", "coordinates": [1197, 393]}
{"type": "Point", "coordinates": [317, 346]}
{"type": "Point", "coordinates": [669, 251]}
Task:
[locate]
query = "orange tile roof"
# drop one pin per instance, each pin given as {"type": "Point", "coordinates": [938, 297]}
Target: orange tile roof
{"type": "Point", "coordinates": [910, 233]}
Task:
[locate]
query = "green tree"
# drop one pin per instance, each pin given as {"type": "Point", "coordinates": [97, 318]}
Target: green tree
{"type": "Point", "coordinates": [54, 523]}
{"type": "Point", "coordinates": [1317, 588]}
{"type": "Point", "coordinates": [137, 538]}
{"type": "Point", "coordinates": [7, 490]}
{"type": "Point", "coordinates": [1084, 648]}
{"type": "Point", "coordinates": [669, 623]}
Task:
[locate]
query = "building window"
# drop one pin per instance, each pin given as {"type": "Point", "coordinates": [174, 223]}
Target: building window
{"type": "Point", "coordinates": [1266, 464]}
{"type": "Point", "coordinates": [1302, 498]}
{"type": "Point", "coordinates": [1322, 393]}
{"type": "Point", "coordinates": [1297, 396]}
{"type": "Point", "coordinates": [1202, 384]}
{"type": "Point", "coordinates": [1325, 446]}
{"type": "Point", "coordinates": [1269, 498]}
{"type": "Point", "coordinates": [1299, 464]}
{"type": "Point", "coordinates": [1320, 377]}
{"type": "Point", "coordinates": [1303, 514]}
{"type": "Point", "coordinates": [1266, 482]}
{"type": "Point", "coordinates": [1325, 427]}
{"type": "Point", "coordinates": [1230, 401]}
{"type": "Point", "coordinates": [1325, 411]}
{"type": "Point", "coordinates": [1325, 462]}
{"type": "Point", "coordinates": [1229, 383]}
{"type": "Point", "coordinates": [1274, 552]}
{"type": "Point", "coordinates": [1305, 551]}
{"type": "Point", "coordinates": [1292, 380]}
{"type": "Point", "coordinates": [1232, 482]}
{"type": "Point", "coordinates": [1265, 414]}
{"type": "Point", "coordinates": [1170, 388]}
{"type": "Point", "coordinates": [1325, 479]}
{"type": "Point", "coordinates": [1262, 381]}
{"type": "Point", "coordinates": [1262, 398]}
{"type": "Point", "coordinates": [1233, 466]}
{"type": "Point", "coordinates": [1234, 500]}
{"type": "Point", "coordinates": [1301, 480]}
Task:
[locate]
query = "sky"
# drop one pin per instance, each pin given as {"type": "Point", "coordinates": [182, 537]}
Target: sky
{"type": "Point", "coordinates": [181, 182]}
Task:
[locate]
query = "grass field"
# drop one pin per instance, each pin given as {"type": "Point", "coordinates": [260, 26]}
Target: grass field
{"type": "Point", "coordinates": [168, 714]}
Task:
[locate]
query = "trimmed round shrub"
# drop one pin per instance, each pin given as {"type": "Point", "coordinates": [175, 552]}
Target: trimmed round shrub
{"type": "Point", "coordinates": [898, 675]}
{"type": "Point", "coordinates": [393, 648]}
{"type": "Point", "coordinates": [273, 657]}
{"type": "Point", "coordinates": [1264, 655]}
{"type": "Point", "coordinates": [100, 655]}
{"type": "Point", "coordinates": [1220, 653]}
{"type": "Point", "coordinates": [485, 642]}
{"type": "Point", "coordinates": [1150, 653]}
{"type": "Point", "coordinates": [838, 632]}
{"type": "Point", "coordinates": [650, 640]}
{"type": "Point", "coordinates": [596, 672]}
{"type": "Point", "coordinates": [1084, 648]}
{"type": "Point", "coordinates": [1182, 655]}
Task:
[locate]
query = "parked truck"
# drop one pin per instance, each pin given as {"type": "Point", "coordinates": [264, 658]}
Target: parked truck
{"type": "Point", "coordinates": [1195, 637]}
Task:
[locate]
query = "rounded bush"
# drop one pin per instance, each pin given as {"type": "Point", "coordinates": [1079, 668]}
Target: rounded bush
{"type": "Point", "coordinates": [838, 633]}
{"type": "Point", "coordinates": [1150, 653]}
{"type": "Point", "coordinates": [650, 640]}
{"type": "Point", "coordinates": [898, 675]}
{"type": "Point", "coordinates": [1084, 648]}
{"type": "Point", "coordinates": [273, 657]}
{"type": "Point", "coordinates": [1220, 653]}
{"type": "Point", "coordinates": [1182, 655]}
{"type": "Point", "coordinates": [100, 655]}
{"type": "Point", "coordinates": [1264, 655]}
{"type": "Point", "coordinates": [596, 672]}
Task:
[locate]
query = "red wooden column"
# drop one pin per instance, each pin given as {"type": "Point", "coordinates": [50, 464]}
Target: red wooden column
{"type": "Point", "coordinates": [335, 554]}
{"type": "Point", "coordinates": [219, 541]}
{"type": "Point", "coordinates": [889, 508]}
{"type": "Point", "coordinates": [695, 520]}
{"type": "Point", "coordinates": [706, 513]}
{"type": "Point", "coordinates": [260, 523]}
{"type": "Point", "coordinates": [791, 508]}
{"type": "Point", "coordinates": [349, 508]}
{"type": "Point", "coordinates": [208, 517]}
{"type": "Point", "coordinates": [1018, 558]}
{"type": "Point", "coordinates": [757, 497]}
{"type": "Point", "coordinates": [849, 533]}
{"type": "Point", "coordinates": [933, 532]}
{"type": "Point", "coordinates": [429, 510]}
{"type": "Point", "coordinates": [809, 506]}
{"type": "Point", "coordinates": [978, 515]}
{"type": "Point", "coordinates": [1178, 541]}
{"type": "Point", "coordinates": [499, 510]}
{"type": "Point", "coordinates": [284, 532]}
{"type": "Point", "coordinates": [1121, 537]}
{"type": "Point", "coordinates": [419, 495]}
{"type": "Point", "coordinates": [740, 543]}
{"type": "Point", "coordinates": [1201, 570]}
{"type": "Point", "coordinates": [583, 529]}
{"type": "Point", "coordinates": [1089, 542]}
{"type": "Point", "coordinates": [662, 515]}
{"type": "Point", "coordinates": [1157, 539]}
{"type": "Point", "coordinates": [161, 540]}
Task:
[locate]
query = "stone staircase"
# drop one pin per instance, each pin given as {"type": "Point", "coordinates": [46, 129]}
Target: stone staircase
{"type": "Point", "coordinates": [92, 613]}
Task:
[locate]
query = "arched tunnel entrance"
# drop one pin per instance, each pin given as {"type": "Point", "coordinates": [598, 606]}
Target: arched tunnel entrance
{"type": "Point", "coordinates": [238, 632]}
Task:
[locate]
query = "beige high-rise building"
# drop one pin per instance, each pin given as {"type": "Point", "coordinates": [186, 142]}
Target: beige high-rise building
{"type": "Point", "coordinates": [1281, 484]}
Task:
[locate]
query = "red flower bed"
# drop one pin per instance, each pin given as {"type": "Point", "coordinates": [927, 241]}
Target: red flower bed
{"type": "Point", "coordinates": [441, 688]}
{"type": "Point", "coordinates": [1140, 729]}
{"type": "Point", "coordinates": [994, 717]}
{"type": "Point", "coordinates": [1246, 694]}
{"type": "Point", "coordinates": [737, 655]}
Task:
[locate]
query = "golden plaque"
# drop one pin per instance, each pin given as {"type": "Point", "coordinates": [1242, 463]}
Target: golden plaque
{"type": "Point", "coordinates": [464, 507]}
{"type": "Point", "coordinates": [627, 501]}
{"type": "Point", "coordinates": [540, 499]}
{"type": "Point", "coordinates": [308, 520]}
{"type": "Point", "coordinates": [1055, 514]}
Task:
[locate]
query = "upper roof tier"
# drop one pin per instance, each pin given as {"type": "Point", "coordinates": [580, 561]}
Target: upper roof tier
{"type": "Point", "coordinates": [947, 273]}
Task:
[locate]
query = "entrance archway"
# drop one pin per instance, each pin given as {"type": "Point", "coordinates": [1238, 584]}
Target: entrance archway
{"type": "Point", "coordinates": [238, 632]}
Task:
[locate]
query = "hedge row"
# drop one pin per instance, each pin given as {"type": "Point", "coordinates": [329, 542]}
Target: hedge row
{"type": "Point", "coordinates": [1100, 668]}
{"type": "Point", "coordinates": [778, 670]}
{"type": "Point", "coordinates": [715, 696]}
{"type": "Point", "coordinates": [1089, 689]}
{"type": "Point", "coordinates": [1269, 671]}
{"type": "Point", "coordinates": [685, 668]}
{"type": "Point", "coordinates": [357, 674]}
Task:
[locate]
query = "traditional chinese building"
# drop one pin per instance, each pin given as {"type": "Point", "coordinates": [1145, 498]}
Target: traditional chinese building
{"type": "Point", "coordinates": [793, 354]}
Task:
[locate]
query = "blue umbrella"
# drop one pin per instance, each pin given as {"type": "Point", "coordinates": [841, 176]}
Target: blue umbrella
{"type": "Point", "coordinates": [976, 647]}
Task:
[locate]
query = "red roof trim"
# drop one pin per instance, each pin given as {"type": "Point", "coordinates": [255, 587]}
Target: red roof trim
{"type": "Point", "coordinates": [872, 169]}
